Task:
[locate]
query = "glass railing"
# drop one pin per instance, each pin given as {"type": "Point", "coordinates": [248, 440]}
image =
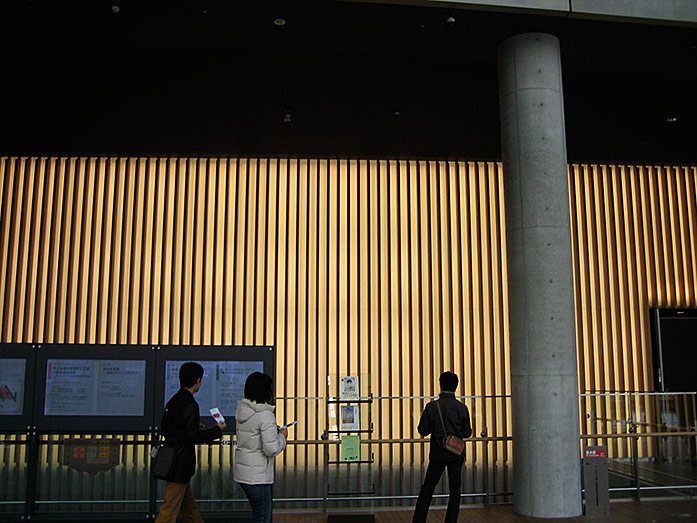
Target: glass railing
{"type": "Point", "coordinates": [651, 439]}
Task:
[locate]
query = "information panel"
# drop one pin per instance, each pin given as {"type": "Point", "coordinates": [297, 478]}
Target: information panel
{"type": "Point", "coordinates": [222, 387]}
{"type": "Point", "coordinates": [94, 387]}
{"type": "Point", "coordinates": [116, 388]}
{"type": "Point", "coordinates": [225, 373]}
{"type": "Point", "coordinates": [17, 366]}
{"type": "Point", "coordinates": [12, 379]}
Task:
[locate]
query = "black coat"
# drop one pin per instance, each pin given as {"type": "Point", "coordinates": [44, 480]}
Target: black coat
{"type": "Point", "coordinates": [456, 418]}
{"type": "Point", "coordinates": [180, 427]}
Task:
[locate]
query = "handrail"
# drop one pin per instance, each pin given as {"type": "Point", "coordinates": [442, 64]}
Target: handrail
{"type": "Point", "coordinates": [495, 396]}
{"type": "Point", "coordinates": [594, 394]}
{"type": "Point", "coordinates": [639, 435]}
{"type": "Point", "coordinates": [495, 438]}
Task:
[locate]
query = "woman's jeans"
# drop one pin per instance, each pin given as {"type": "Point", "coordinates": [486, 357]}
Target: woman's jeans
{"type": "Point", "coordinates": [259, 497]}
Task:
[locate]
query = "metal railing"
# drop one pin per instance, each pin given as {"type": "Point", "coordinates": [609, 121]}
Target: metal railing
{"type": "Point", "coordinates": [650, 439]}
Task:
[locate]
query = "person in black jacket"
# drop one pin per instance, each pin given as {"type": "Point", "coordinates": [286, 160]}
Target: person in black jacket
{"type": "Point", "coordinates": [456, 422]}
{"type": "Point", "coordinates": [182, 430]}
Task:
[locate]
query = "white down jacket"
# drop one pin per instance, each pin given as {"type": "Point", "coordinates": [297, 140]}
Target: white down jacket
{"type": "Point", "coordinates": [258, 442]}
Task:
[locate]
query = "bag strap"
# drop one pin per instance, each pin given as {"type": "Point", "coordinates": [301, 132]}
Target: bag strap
{"type": "Point", "coordinates": [158, 441]}
{"type": "Point", "coordinates": [445, 432]}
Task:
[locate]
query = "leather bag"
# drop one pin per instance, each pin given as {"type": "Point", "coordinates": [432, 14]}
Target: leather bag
{"type": "Point", "coordinates": [452, 443]}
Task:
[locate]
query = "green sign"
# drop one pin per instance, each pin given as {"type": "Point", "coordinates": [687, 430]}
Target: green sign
{"type": "Point", "coordinates": [350, 448]}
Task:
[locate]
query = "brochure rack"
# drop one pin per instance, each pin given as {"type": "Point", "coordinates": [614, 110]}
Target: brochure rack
{"type": "Point", "coordinates": [348, 453]}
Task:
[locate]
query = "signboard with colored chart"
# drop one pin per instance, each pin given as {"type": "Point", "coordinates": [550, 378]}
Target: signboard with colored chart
{"type": "Point", "coordinates": [16, 383]}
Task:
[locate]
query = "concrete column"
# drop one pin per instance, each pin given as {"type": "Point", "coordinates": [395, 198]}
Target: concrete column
{"type": "Point", "coordinates": [546, 455]}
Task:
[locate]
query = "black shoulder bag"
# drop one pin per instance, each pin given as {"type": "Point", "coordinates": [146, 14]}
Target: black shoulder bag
{"type": "Point", "coordinates": [163, 457]}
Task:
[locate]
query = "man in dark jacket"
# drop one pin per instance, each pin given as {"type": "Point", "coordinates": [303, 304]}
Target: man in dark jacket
{"type": "Point", "coordinates": [182, 430]}
{"type": "Point", "coordinates": [445, 416]}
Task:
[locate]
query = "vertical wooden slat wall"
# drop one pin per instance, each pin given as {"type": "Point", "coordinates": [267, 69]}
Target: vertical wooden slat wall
{"type": "Point", "coordinates": [393, 268]}
{"type": "Point", "coordinates": [634, 233]}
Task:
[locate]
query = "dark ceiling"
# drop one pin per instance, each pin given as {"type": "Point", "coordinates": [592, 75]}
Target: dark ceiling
{"type": "Point", "coordinates": [360, 79]}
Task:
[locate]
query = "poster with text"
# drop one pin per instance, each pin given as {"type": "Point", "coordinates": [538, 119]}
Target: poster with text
{"type": "Point", "coordinates": [12, 377]}
{"type": "Point", "coordinates": [94, 387]}
{"type": "Point", "coordinates": [348, 388]}
{"type": "Point", "coordinates": [350, 417]}
{"type": "Point", "coordinates": [350, 448]}
{"type": "Point", "coordinates": [222, 385]}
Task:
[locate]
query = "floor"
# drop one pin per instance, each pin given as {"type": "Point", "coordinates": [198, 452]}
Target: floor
{"type": "Point", "coordinates": [647, 511]}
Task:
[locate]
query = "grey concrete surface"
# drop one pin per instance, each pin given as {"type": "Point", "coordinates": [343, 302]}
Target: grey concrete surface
{"type": "Point", "coordinates": [679, 12]}
{"type": "Point", "coordinates": [546, 457]}
{"type": "Point", "coordinates": [670, 12]}
{"type": "Point", "coordinates": [548, 7]}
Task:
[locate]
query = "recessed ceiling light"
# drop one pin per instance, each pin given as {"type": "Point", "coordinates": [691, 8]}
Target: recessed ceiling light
{"type": "Point", "coordinates": [115, 8]}
{"type": "Point", "coordinates": [280, 22]}
{"type": "Point", "coordinates": [672, 119]}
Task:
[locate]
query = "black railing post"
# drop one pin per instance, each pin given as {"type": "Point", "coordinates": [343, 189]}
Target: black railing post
{"type": "Point", "coordinates": [486, 467]}
{"type": "Point", "coordinates": [32, 472]}
{"type": "Point", "coordinates": [635, 458]}
{"type": "Point", "coordinates": [152, 482]}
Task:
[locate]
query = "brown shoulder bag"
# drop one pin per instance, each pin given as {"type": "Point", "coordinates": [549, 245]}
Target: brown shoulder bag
{"type": "Point", "coordinates": [452, 443]}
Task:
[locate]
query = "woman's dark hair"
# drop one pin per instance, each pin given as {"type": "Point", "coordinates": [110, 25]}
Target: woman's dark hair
{"type": "Point", "coordinates": [258, 387]}
{"type": "Point", "coordinates": [189, 374]}
{"type": "Point", "coordinates": [448, 381]}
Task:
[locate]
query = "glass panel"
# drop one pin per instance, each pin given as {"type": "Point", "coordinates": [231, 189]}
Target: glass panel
{"type": "Point", "coordinates": [124, 488]}
{"type": "Point", "coordinates": [13, 473]}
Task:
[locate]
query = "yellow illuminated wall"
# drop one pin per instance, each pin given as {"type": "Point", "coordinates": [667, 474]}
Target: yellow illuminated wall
{"type": "Point", "coordinates": [393, 268]}
{"type": "Point", "coordinates": [635, 246]}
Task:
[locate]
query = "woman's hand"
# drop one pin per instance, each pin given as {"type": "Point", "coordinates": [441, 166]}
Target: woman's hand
{"type": "Point", "coordinates": [284, 431]}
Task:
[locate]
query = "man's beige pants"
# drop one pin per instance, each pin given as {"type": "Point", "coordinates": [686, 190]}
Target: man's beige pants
{"type": "Point", "coordinates": [179, 498]}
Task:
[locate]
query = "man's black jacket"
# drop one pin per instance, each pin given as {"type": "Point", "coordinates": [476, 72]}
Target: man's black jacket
{"type": "Point", "coordinates": [457, 423]}
{"type": "Point", "coordinates": [180, 427]}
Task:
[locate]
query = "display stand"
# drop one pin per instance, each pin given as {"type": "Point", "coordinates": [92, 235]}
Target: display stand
{"type": "Point", "coordinates": [348, 453]}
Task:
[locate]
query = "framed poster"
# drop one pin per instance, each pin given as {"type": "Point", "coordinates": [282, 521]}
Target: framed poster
{"type": "Point", "coordinates": [94, 388]}
{"type": "Point", "coordinates": [349, 388]}
{"type": "Point", "coordinates": [350, 417]}
{"type": "Point", "coordinates": [17, 367]}
{"type": "Point", "coordinates": [225, 371]}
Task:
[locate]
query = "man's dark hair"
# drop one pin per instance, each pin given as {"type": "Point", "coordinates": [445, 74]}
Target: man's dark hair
{"type": "Point", "coordinates": [258, 387]}
{"type": "Point", "coordinates": [448, 381]}
{"type": "Point", "coordinates": [189, 374]}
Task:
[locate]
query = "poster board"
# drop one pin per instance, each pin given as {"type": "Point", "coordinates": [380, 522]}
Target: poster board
{"type": "Point", "coordinates": [225, 372]}
{"type": "Point", "coordinates": [17, 364]}
{"type": "Point", "coordinates": [94, 388]}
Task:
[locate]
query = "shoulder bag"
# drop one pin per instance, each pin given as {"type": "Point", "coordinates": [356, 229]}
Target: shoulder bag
{"type": "Point", "coordinates": [452, 443]}
{"type": "Point", "coordinates": [162, 461]}
{"type": "Point", "coordinates": [163, 458]}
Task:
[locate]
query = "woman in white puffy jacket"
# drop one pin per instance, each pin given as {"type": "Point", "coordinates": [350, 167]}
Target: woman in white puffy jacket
{"type": "Point", "coordinates": [259, 441]}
